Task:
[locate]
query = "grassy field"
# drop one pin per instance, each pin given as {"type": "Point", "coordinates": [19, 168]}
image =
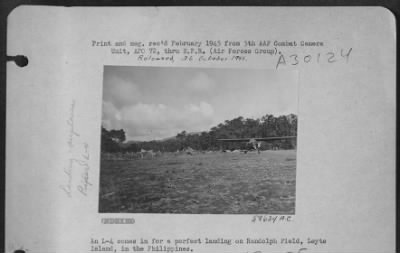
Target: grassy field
{"type": "Point", "coordinates": [230, 183]}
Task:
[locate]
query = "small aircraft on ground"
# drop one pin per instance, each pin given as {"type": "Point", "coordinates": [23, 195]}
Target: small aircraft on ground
{"type": "Point", "coordinates": [256, 142]}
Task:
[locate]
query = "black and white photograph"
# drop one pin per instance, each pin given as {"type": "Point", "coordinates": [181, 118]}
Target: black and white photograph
{"type": "Point", "coordinates": [198, 141]}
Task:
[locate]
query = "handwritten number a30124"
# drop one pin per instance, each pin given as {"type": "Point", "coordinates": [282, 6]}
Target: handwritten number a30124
{"type": "Point", "coordinates": [329, 57]}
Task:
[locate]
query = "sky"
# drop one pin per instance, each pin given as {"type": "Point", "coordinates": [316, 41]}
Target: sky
{"type": "Point", "coordinates": [153, 103]}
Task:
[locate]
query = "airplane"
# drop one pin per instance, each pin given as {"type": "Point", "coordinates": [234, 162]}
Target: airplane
{"type": "Point", "coordinates": [256, 142]}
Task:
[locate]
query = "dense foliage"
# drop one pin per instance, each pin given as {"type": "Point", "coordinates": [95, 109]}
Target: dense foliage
{"type": "Point", "coordinates": [266, 126]}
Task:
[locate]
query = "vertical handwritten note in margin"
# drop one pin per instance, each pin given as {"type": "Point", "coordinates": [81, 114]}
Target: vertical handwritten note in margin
{"type": "Point", "coordinates": [77, 166]}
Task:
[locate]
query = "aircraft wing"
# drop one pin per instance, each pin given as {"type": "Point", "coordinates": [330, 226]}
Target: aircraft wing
{"type": "Point", "coordinates": [275, 138]}
{"type": "Point", "coordinates": [258, 139]}
{"type": "Point", "coordinates": [235, 140]}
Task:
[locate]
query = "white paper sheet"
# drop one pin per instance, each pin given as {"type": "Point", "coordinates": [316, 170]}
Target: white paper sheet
{"type": "Point", "coordinates": [345, 166]}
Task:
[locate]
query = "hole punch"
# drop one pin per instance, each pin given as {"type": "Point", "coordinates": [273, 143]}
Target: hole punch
{"type": "Point", "coordinates": [21, 61]}
{"type": "Point", "coordinates": [19, 251]}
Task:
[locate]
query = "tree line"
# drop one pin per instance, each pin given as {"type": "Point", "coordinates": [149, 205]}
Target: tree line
{"type": "Point", "coordinates": [266, 126]}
